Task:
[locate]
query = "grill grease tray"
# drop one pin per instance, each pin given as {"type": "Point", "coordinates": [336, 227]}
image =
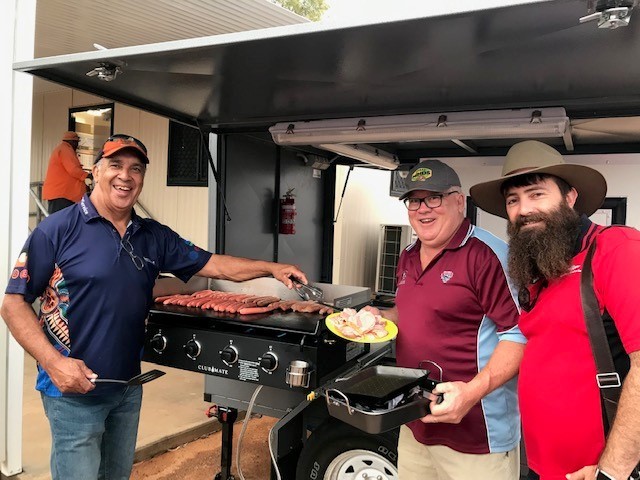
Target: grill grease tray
{"type": "Point", "coordinates": [379, 384]}
{"type": "Point", "coordinates": [361, 400]}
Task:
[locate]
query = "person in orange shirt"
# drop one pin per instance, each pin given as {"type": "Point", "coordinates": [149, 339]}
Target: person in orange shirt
{"type": "Point", "coordinates": [64, 183]}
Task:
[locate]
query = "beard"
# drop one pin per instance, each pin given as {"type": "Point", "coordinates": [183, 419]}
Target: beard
{"type": "Point", "coordinates": [542, 253]}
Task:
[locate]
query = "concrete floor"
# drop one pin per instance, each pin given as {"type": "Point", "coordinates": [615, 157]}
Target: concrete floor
{"type": "Point", "coordinates": [173, 413]}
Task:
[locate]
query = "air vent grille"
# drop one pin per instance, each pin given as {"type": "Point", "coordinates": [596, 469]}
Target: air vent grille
{"type": "Point", "coordinates": [393, 239]}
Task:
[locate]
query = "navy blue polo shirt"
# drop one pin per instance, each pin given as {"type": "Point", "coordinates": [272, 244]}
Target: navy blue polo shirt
{"type": "Point", "coordinates": [96, 288]}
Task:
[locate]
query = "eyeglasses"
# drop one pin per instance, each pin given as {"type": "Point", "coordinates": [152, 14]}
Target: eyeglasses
{"type": "Point", "coordinates": [137, 261]}
{"type": "Point", "coordinates": [126, 139]}
{"type": "Point", "coordinates": [432, 201]}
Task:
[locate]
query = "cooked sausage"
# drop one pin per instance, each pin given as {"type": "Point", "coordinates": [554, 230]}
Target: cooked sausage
{"type": "Point", "coordinates": [253, 310]}
{"type": "Point", "coordinates": [162, 299]}
{"type": "Point", "coordinates": [198, 302]}
{"type": "Point", "coordinates": [264, 301]}
{"type": "Point", "coordinates": [174, 299]}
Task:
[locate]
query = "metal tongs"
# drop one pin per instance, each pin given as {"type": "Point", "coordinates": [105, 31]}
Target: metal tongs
{"type": "Point", "coordinates": [308, 292]}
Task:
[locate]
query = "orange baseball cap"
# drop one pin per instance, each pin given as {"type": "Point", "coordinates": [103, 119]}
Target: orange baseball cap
{"type": "Point", "coordinates": [70, 136]}
{"type": "Point", "coordinates": [118, 142]}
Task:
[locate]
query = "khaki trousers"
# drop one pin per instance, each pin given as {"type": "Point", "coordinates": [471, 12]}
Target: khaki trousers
{"type": "Point", "coordinates": [437, 462]}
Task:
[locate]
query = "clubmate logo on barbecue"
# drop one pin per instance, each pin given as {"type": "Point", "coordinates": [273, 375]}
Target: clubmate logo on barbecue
{"type": "Point", "coordinates": [210, 369]}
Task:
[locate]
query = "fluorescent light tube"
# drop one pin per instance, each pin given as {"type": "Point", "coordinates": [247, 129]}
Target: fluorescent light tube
{"type": "Point", "coordinates": [493, 124]}
{"type": "Point", "coordinates": [364, 153]}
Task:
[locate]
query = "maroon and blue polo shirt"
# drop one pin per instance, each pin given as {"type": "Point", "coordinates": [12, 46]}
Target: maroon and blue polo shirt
{"type": "Point", "coordinates": [96, 288]}
{"type": "Point", "coordinates": [454, 313]}
{"type": "Point", "coordinates": [559, 398]}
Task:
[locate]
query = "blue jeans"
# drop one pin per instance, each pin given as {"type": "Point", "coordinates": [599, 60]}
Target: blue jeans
{"type": "Point", "coordinates": [93, 436]}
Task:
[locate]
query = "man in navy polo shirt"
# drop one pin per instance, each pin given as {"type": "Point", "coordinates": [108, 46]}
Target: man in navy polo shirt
{"type": "Point", "coordinates": [455, 308]}
{"type": "Point", "coordinates": [94, 267]}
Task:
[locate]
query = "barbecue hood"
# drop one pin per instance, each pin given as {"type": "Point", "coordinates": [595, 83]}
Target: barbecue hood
{"type": "Point", "coordinates": [529, 56]}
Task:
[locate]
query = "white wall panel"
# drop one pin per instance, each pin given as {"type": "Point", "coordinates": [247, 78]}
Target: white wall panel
{"type": "Point", "coordinates": [192, 222]}
{"type": "Point", "coordinates": [55, 121]}
{"type": "Point", "coordinates": [82, 99]}
{"type": "Point", "coordinates": [365, 207]}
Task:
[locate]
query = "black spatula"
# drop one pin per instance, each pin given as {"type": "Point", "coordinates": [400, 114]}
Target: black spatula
{"type": "Point", "coordinates": [137, 380]}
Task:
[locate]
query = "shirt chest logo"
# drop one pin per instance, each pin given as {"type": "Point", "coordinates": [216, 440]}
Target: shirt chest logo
{"type": "Point", "coordinates": [446, 276]}
{"type": "Point", "coordinates": [403, 278]}
{"type": "Point", "coordinates": [574, 269]}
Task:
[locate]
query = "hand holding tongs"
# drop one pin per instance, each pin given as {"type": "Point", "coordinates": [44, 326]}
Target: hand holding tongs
{"type": "Point", "coordinates": [308, 292]}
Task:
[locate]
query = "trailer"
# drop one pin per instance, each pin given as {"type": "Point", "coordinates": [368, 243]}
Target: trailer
{"type": "Point", "coordinates": [286, 105]}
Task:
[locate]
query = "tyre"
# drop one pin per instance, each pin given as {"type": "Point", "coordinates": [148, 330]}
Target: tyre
{"type": "Point", "coordinates": [337, 451]}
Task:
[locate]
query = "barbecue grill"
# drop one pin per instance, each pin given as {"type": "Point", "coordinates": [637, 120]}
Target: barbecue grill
{"type": "Point", "coordinates": [290, 354]}
{"type": "Point", "coordinates": [261, 349]}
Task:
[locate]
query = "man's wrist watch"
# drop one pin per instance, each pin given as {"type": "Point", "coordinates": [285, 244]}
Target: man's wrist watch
{"type": "Point", "coordinates": [601, 475]}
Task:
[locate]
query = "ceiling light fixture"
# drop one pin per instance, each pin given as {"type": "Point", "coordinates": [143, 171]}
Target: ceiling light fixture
{"type": "Point", "coordinates": [364, 153]}
{"type": "Point", "coordinates": [609, 14]}
{"type": "Point", "coordinates": [488, 124]}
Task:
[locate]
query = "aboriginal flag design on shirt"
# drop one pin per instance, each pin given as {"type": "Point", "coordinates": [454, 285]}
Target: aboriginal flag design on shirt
{"type": "Point", "coordinates": [54, 303]}
{"type": "Point", "coordinates": [53, 312]}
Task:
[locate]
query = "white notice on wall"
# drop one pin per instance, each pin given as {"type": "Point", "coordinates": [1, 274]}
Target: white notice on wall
{"type": "Point", "coordinates": [602, 216]}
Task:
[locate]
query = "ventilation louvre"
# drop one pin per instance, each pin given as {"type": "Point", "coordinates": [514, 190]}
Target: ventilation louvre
{"type": "Point", "coordinates": [393, 239]}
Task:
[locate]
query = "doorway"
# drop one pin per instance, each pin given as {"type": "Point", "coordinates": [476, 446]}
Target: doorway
{"type": "Point", "coordinates": [93, 124]}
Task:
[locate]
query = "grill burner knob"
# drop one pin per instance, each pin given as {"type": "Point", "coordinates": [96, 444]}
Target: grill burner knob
{"type": "Point", "coordinates": [229, 354]}
{"type": "Point", "coordinates": [269, 362]}
{"type": "Point", "coordinates": [192, 348]}
{"type": "Point", "coordinates": [158, 342]}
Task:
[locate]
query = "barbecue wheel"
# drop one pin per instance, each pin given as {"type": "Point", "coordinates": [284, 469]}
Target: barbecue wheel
{"type": "Point", "coordinates": [337, 451]}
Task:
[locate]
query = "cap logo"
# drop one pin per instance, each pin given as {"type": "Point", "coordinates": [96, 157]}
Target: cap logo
{"type": "Point", "coordinates": [421, 174]}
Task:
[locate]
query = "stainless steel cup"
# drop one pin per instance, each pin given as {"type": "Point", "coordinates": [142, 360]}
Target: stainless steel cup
{"type": "Point", "coordinates": [298, 374]}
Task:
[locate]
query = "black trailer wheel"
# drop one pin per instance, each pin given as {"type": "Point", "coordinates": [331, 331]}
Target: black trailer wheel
{"type": "Point", "coordinates": [337, 451]}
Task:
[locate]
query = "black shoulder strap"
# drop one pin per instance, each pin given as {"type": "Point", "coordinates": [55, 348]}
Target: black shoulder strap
{"type": "Point", "coordinates": [607, 378]}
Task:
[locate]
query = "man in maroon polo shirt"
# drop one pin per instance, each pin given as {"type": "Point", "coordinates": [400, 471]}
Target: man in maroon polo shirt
{"type": "Point", "coordinates": [454, 308]}
{"type": "Point", "coordinates": [547, 203]}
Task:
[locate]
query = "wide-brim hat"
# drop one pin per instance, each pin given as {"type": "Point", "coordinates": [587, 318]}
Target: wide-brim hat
{"type": "Point", "coordinates": [70, 137]}
{"type": "Point", "coordinates": [536, 157]}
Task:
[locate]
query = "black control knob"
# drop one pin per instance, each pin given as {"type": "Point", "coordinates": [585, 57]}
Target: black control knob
{"type": "Point", "coordinates": [158, 342]}
{"type": "Point", "coordinates": [269, 362]}
{"type": "Point", "coordinates": [192, 348]}
{"type": "Point", "coordinates": [229, 354]}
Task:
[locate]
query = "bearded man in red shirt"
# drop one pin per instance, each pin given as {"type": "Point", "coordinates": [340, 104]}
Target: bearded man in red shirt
{"type": "Point", "coordinates": [547, 203]}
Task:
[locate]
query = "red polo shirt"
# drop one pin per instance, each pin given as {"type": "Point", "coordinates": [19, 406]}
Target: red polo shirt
{"type": "Point", "coordinates": [559, 397]}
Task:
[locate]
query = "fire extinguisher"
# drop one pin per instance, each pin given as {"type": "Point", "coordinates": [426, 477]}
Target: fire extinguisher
{"type": "Point", "coordinates": [288, 213]}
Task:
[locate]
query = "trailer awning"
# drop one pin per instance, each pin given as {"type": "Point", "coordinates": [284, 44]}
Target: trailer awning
{"type": "Point", "coordinates": [522, 56]}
